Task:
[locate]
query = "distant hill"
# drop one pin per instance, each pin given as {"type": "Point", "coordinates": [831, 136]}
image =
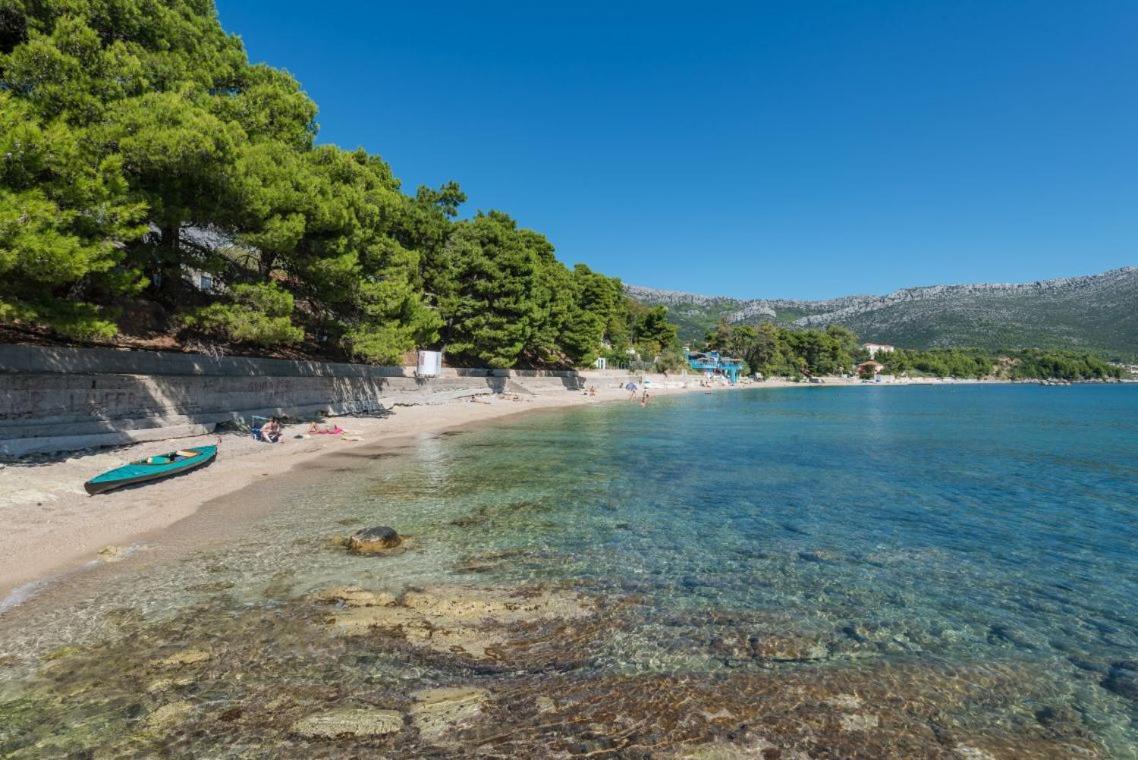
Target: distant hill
{"type": "Point", "coordinates": [1096, 313]}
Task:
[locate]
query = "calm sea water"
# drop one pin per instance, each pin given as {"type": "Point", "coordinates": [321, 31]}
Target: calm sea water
{"type": "Point", "coordinates": [939, 528]}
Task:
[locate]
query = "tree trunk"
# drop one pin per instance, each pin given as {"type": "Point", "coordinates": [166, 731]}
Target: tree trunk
{"type": "Point", "coordinates": [267, 262]}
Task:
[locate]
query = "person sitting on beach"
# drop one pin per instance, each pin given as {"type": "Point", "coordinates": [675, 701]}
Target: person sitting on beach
{"type": "Point", "coordinates": [315, 429]}
{"type": "Point", "coordinates": [592, 390]}
{"type": "Point", "coordinates": [271, 431]}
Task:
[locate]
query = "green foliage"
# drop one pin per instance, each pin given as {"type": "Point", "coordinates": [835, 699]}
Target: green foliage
{"type": "Point", "coordinates": [258, 314]}
{"type": "Point", "coordinates": [1066, 365]}
{"type": "Point", "coordinates": [670, 361]}
{"type": "Point", "coordinates": [133, 132]}
{"type": "Point", "coordinates": [776, 350]}
{"type": "Point", "coordinates": [652, 333]}
{"type": "Point", "coordinates": [64, 214]}
{"type": "Point", "coordinates": [940, 362]}
{"type": "Point", "coordinates": [493, 308]}
{"type": "Point", "coordinates": [1014, 365]}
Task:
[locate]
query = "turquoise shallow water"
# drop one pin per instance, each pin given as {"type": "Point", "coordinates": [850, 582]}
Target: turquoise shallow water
{"type": "Point", "coordinates": [978, 505]}
{"type": "Point", "coordinates": [965, 558]}
{"type": "Point", "coordinates": [960, 524]}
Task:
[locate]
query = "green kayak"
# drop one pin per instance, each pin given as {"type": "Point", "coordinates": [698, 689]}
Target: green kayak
{"type": "Point", "coordinates": [152, 468]}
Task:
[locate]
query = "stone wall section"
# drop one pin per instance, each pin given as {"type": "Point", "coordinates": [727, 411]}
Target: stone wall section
{"type": "Point", "coordinates": [62, 399]}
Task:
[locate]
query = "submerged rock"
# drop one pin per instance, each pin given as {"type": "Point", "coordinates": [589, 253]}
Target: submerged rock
{"type": "Point", "coordinates": [787, 649]}
{"type": "Point", "coordinates": [470, 622]}
{"type": "Point", "coordinates": [724, 751]}
{"type": "Point", "coordinates": [166, 684]}
{"type": "Point", "coordinates": [1059, 718]}
{"type": "Point", "coordinates": [168, 716]}
{"type": "Point", "coordinates": [354, 596]}
{"type": "Point", "coordinates": [1123, 679]}
{"type": "Point", "coordinates": [439, 712]}
{"type": "Point", "coordinates": [349, 722]}
{"type": "Point", "coordinates": [184, 657]}
{"type": "Point", "coordinates": [818, 556]}
{"type": "Point", "coordinates": [374, 540]}
{"type": "Point", "coordinates": [845, 701]}
{"type": "Point", "coordinates": [858, 722]}
{"type": "Point", "coordinates": [61, 653]}
{"type": "Point", "coordinates": [998, 634]}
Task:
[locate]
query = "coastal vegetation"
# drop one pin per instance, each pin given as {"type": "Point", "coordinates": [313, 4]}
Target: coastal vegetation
{"type": "Point", "coordinates": [154, 182]}
{"type": "Point", "coordinates": [1012, 365]}
{"type": "Point", "coordinates": [774, 350]}
{"type": "Point", "coordinates": [781, 351]}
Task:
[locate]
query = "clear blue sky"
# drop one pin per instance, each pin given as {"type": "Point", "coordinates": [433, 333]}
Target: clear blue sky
{"type": "Point", "coordinates": [795, 149]}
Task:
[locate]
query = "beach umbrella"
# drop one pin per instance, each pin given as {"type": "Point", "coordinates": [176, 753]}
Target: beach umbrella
{"type": "Point", "coordinates": [630, 387]}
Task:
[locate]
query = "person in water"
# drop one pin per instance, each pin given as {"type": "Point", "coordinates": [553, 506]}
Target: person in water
{"type": "Point", "coordinates": [271, 431]}
{"type": "Point", "coordinates": [644, 398]}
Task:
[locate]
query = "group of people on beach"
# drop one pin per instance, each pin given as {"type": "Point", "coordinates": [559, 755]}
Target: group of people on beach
{"type": "Point", "coordinates": [272, 431]}
{"type": "Point", "coordinates": [644, 396]}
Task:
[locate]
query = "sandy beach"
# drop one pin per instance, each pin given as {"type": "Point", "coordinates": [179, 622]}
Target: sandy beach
{"type": "Point", "coordinates": [52, 525]}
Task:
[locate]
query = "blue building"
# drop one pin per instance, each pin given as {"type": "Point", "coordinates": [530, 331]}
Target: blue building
{"type": "Point", "coordinates": [712, 363]}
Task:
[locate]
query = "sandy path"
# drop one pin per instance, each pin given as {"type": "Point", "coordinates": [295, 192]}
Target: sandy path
{"type": "Point", "coordinates": [51, 524]}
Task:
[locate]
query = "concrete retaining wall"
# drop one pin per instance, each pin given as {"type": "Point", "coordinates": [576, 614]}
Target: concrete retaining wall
{"type": "Point", "coordinates": [61, 399]}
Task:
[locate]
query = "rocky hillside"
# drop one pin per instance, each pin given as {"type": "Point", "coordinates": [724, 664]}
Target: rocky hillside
{"type": "Point", "coordinates": [1097, 312]}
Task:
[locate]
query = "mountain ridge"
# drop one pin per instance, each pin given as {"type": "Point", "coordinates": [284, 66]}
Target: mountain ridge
{"type": "Point", "coordinates": [1096, 312]}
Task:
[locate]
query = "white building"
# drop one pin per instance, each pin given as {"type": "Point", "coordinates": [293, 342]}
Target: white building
{"type": "Point", "coordinates": [878, 348]}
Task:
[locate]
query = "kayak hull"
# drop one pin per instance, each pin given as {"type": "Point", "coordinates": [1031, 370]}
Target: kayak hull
{"type": "Point", "coordinates": [147, 470]}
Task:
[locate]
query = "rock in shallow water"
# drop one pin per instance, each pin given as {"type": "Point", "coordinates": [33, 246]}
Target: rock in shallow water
{"type": "Point", "coordinates": [723, 751]}
{"type": "Point", "coordinates": [464, 621]}
{"type": "Point", "coordinates": [349, 722]}
{"type": "Point", "coordinates": [184, 657]}
{"type": "Point", "coordinates": [858, 722]}
{"type": "Point", "coordinates": [374, 540]}
{"type": "Point", "coordinates": [439, 712]}
{"type": "Point", "coordinates": [789, 648]}
{"type": "Point", "coordinates": [1123, 679]}
{"type": "Point", "coordinates": [354, 596]}
{"type": "Point", "coordinates": [1059, 718]}
{"type": "Point", "coordinates": [168, 716]}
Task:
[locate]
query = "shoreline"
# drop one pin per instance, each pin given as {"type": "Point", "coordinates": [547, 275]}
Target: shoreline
{"type": "Point", "coordinates": [55, 529]}
{"type": "Point", "coordinates": [246, 624]}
